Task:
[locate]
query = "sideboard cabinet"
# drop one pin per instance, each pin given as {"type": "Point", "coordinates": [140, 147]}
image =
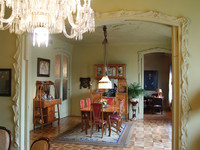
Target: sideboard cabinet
{"type": "Point", "coordinates": [44, 104]}
{"type": "Point", "coordinates": [115, 71]}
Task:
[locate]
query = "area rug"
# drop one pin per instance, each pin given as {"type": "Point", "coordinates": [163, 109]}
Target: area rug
{"type": "Point", "coordinates": [75, 136]}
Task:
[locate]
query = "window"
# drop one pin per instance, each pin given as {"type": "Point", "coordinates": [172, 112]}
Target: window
{"type": "Point", "coordinates": [62, 76]}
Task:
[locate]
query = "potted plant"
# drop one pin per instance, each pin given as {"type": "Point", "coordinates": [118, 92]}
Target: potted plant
{"type": "Point", "coordinates": [134, 91]}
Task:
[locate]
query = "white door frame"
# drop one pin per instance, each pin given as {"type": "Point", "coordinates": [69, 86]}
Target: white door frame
{"type": "Point", "coordinates": [141, 73]}
{"type": "Point", "coordinates": [68, 54]}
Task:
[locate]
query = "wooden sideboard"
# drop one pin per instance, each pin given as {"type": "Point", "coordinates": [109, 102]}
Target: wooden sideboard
{"type": "Point", "coordinates": [44, 104]}
{"type": "Point", "coordinates": [116, 71]}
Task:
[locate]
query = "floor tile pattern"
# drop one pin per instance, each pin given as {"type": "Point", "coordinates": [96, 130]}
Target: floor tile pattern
{"type": "Point", "coordinates": [154, 132]}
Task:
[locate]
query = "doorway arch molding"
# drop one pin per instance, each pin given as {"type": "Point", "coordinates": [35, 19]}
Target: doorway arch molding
{"type": "Point", "coordinates": [180, 56]}
{"type": "Point", "coordinates": [141, 70]}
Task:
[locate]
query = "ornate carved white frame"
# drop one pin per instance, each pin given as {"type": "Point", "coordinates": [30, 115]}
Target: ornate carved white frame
{"type": "Point", "coordinates": [181, 89]}
{"type": "Point", "coordinates": [181, 56]}
{"type": "Point", "coordinates": [16, 98]}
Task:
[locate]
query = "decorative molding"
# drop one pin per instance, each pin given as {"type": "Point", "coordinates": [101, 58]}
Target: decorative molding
{"type": "Point", "coordinates": [155, 50]}
{"type": "Point", "coordinates": [185, 105]}
{"type": "Point", "coordinates": [182, 23]}
{"type": "Point", "coordinates": [151, 16]}
{"type": "Point", "coordinates": [116, 17]}
{"type": "Point", "coordinates": [16, 98]}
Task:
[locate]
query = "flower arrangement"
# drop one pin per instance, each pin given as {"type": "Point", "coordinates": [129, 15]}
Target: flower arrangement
{"type": "Point", "coordinates": [103, 101]}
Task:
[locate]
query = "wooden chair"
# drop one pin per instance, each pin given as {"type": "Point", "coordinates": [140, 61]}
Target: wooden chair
{"type": "Point", "coordinates": [88, 101]}
{"type": "Point", "coordinates": [5, 138]}
{"type": "Point", "coordinates": [115, 120]}
{"type": "Point", "coordinates": [41, 144]}
{"type": "Point", "coordinates": [96, 117]}
{"type": "Point", "coordinates": [157, 105]}
{"type": "Point", "coordinates": [84, 117]}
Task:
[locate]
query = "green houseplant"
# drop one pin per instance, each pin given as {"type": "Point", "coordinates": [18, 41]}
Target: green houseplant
{"type": "Point", "coordinates": [134, 91]}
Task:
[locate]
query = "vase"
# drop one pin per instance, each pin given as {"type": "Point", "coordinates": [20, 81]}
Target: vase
{"type": "Point", "coordinates": [104, 106]}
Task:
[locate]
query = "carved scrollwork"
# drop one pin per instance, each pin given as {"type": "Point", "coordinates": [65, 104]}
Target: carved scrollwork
{"type": "Point", "coordinates": [152, 16]}
{"type": "Point", "coordinates": [16, 107]}
{"type": "Point", "coordinates": [182, 23]}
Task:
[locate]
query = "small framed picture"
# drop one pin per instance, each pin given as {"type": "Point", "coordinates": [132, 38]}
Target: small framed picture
{"type": "Point", "coordinates": [43, 67]}
{"type": "Point", "coordinates": [5, 82]}
{"type": "Point", "coordinates": [99, 71]}
{"type": "Point", "coordinates": [120, 71]}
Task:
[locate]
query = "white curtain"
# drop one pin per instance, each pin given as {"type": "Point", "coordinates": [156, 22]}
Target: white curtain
{"type": "Point", "coordinates": [170, 86]}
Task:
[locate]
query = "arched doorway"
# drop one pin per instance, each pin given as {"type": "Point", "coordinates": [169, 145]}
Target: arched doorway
{"type": "Point", "coordinates": [141, 70]}
{"type": "Point", "coordinates": [180, 68]}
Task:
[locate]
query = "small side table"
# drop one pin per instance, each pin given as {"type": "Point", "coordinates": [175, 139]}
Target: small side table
{"type": "Point", "coordinates": [134, 104]}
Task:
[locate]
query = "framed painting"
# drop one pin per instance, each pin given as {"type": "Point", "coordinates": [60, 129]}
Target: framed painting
{"type": "Point", "coordinates": [43, 67]}
{"type": "Point", "coordinates": [85, 83]}
{"type": "Point", "coordinates": [150, 80]}
{"type": "Point", "coordinates": [5, 82]}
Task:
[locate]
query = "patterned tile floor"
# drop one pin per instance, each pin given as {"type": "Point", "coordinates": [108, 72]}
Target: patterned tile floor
{"type": "Point", "coordinates": [154, 132]}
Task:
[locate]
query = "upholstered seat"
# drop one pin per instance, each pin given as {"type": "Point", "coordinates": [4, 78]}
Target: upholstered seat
{"type": "Point", "coordinates": [96, 118]}
{"type": "Point", "coordinates": [5, 139]}
{"type": "Point", "coordinates": [88, 101]}
{"type": "Point", "coordinates": [41, 144]}
{"type": "Point", "coordinates": [114, 117]}
{"type": "Point", "coordinates": [115, 120]}
{"type": "Point", "coordinates": [100, 121]}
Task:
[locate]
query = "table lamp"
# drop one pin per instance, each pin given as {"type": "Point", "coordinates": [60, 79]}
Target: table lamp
{"type": "Point", "coordinates": [159, 91]}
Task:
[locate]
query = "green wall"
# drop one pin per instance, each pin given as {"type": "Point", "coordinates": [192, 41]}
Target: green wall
{"type": "Point", "coordinates": [7, 51]}
{"type": "Point", "coordinates": [85, 56]}
{"type": "Point", "coordinates": [55, 47]}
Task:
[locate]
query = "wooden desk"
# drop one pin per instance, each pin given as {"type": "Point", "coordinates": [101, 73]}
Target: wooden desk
{"type": "Point", "coordinates": [151, 102]}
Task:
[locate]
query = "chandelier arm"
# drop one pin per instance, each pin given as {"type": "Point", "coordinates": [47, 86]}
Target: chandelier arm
{"type": "Point", "coordinates": [10, 19]}
{"type": "Point", "coordinates": [7, 26]}
{"type": "Point", "coordinates": [66, 34]}
{"type": "Point", "coordinates": [74, 25]}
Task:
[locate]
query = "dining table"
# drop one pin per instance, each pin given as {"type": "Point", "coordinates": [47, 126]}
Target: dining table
{"type": "Point", "coordinates": [109, 109]}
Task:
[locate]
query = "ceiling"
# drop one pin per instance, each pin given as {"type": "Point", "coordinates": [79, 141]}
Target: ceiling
{"type": "Point", "coordinates": [126, 32]}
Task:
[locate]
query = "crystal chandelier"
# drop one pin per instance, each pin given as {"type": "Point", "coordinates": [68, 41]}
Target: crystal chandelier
{"type": "Point", "coordinates": [105, 83]}
{"type": "Point", "coordinates": [42, 17]}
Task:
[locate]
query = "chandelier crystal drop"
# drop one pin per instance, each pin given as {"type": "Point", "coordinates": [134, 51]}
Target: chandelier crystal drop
{"type": "Point", "coordinates": [40, 16]}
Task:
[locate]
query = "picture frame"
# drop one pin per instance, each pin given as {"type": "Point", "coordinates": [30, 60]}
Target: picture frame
{"type": "Point", "coordinates": [99, 71]}
{"type": "Point", "coordinates": [111, 71]}
{"type": "Point", "coordinates": [120, 71]}
{"type": "Point", "coordinates": [85, 82]}
{"type": "Point", "coordinates": [43, 67]}
{"type": "Point", "coordinates": [5, 82]}
{"type": "Point", "coordinates": [150, 80]}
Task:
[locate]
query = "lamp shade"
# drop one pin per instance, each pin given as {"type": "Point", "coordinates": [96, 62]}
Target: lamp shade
{"type": "Point", "coordinates": [105, 83]}
{"type": "Point", "coordinates": [159, 90]}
